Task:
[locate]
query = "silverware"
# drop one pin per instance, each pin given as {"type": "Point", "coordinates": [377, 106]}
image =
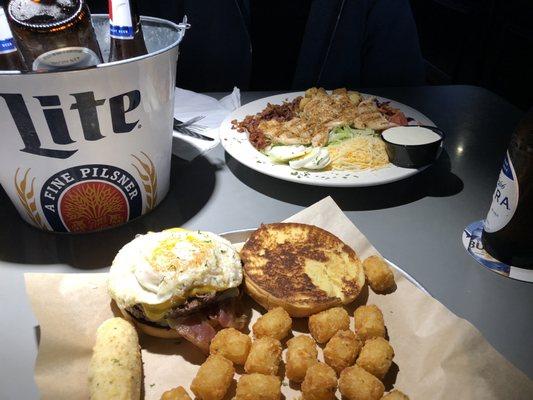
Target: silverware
{"type": "Point", "coordinates": [186, 128]}
{"type": "Point", "coordinates": [190, 121]}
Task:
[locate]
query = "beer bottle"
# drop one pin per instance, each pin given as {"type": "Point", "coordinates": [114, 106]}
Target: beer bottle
{"type": "Point", "coordinates": [10, 56]}
{"type": "Point", "coordinates": [127, 40]}
{"type": "Point", "coordinates": [54, 34]}
{"type": "Point", "coordinates": [508, 229]}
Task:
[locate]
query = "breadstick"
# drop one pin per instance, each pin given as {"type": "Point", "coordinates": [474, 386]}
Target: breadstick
{"type": "Point", "coordinates": [115, 368]}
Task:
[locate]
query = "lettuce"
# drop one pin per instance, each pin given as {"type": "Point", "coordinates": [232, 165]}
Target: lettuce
{"type": "Point", "coordinates": [340, 133]}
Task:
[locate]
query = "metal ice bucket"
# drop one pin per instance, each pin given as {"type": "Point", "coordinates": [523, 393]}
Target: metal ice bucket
{"type": "Point", "coordinates": [90, 149]}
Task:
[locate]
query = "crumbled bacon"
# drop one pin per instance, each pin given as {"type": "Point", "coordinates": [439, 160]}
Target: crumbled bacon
{"type": "Point", "coordinates": [279, 112]}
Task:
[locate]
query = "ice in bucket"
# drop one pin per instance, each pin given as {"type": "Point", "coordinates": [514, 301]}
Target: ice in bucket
{"type": "Point", "coordinates": [90, 149]}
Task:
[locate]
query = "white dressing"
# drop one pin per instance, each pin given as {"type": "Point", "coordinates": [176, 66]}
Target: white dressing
{"type": "Point", "coordinates": [410, 135]}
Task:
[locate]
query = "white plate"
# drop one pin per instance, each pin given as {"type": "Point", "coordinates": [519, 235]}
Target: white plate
{"type": "Point", "coordinates": [240, 148]}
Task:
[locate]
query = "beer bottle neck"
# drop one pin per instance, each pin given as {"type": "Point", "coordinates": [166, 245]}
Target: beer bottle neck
{"type": "Point", "coordinates": [10, 56]}
{"type": "Point", "coordinates": [7, 43]}
{"type": "Point", "coordinates": [123, 18]}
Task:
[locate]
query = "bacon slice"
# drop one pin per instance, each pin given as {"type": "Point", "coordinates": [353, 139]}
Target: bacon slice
{"type": "Point", "coordinates": [227, 316]}
{"type": "Point", "coordinates": [199, 328]}
{"type": "Point", "coordinates": [196, 329]}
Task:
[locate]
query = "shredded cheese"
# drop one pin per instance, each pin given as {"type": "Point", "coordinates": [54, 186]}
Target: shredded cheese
{"type": "Point", "coordinates": [362, 152]}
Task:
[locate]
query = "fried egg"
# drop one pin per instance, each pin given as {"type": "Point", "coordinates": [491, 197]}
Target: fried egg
{"type": "Point", "coordinates": [162, 269]}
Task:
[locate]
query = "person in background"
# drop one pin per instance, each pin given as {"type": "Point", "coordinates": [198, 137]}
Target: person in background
{"type": "Point", "coordinates": [292, 45]}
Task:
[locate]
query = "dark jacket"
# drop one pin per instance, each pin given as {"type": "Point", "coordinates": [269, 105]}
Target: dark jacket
{"type": "Point", "coordinates": [352, 43]}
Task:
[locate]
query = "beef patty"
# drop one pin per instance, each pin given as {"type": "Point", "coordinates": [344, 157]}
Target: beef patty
{"type": "Point", "coordinates": [190, 306]}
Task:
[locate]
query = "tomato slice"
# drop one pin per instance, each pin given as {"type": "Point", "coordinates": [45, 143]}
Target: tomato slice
{"type": "Point", "coordinates": [398, 118]}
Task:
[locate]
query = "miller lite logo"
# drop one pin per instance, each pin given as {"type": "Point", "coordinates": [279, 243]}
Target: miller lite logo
{"type": "Point", "coordinates": [89, 149]}
{"type": "Point", "coordinates": [87, 106]}
{"type": "Point", "coordinates": [90, 197]}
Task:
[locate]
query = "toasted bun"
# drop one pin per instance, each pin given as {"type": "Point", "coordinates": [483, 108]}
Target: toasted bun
{"type": "Point", "coordinates": [160, 332]}
{"type": "Point", "coordinates": [302, 268]}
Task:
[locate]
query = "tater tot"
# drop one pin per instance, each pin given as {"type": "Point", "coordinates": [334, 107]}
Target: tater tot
{"type": "Point", "coordinates": [357, 384]}
{"type": "Point", "coordinates": [326, 323]}
{"type": "Point", "coordinates": [376, 357]}
{"type": "Point", "coordinates": [320, 383]}
{"type": "Point", "coordinates": [276, 324]}
{"type": "Point", "coordinates": [378, 274]}
{"type": "Point", "coordinates": [395, 395]}
{"type": "Point", "coordinates": [231, 344]}
{"type": "Point", "coordinates": [264, 356]}
{"type": "Point", "coordinates": [213, 379]}
{"type": "Point", "coordinates": [342, 350]}
{"type": "Point", "coordinates": [258, 386]}
{"type": "Point", "coordinates": [301, 354]}
{"type": "Point", "coordinates": [369, 322]}
{"type": "Point", "coordinates": [178, 393]}
{"type": "Point", "coordinates": [115, 370]}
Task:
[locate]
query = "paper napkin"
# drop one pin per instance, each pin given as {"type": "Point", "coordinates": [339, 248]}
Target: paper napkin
{"type": "Point", "coordinates": [188, 105]}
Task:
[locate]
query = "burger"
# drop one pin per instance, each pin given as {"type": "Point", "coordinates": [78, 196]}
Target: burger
{"type": "Point", "coordinates": [178, 283]}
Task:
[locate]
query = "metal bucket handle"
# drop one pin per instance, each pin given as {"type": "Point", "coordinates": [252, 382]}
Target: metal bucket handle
{"type": "Point", "coordinates": [180, 27]}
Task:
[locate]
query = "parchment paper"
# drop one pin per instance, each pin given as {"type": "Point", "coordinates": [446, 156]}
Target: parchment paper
{"type": "Point", "coordinates": [437, 354]}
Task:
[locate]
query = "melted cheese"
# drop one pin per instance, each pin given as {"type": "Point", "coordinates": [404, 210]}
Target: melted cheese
{"type": "Point", "coordinates": [156, 312]}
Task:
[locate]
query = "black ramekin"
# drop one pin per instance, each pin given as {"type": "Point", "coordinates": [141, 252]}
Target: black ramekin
{"type": "Point", "coordinates": [414, 156]}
